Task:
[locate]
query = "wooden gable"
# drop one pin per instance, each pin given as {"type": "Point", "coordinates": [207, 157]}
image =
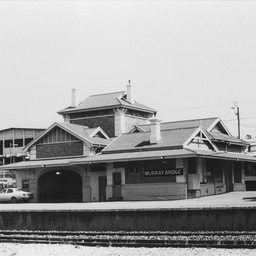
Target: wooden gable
{"type": "Point", "coordinates": [57, 135]}
{"type": "Point", "coordinates": [200, 141]}
{"type": "Point", "coordinates": [59, 143]}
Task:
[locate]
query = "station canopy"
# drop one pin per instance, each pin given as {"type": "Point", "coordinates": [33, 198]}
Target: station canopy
{"type": "Point", "coordinates": [129, 156]}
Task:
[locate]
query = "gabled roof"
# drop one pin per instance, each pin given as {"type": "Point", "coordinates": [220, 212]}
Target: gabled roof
{"type": "Point", "coordinates": [174, 135]}
{"type": "Point", "coordinates": [202, 136]}
{"type": "Point", "coordinates": [81, 132]}
{"type": "Point", "coordinates": [217, 136]}
{"type": "Point", "coordinates": [206, 123]}
{"type": "Point", "coordinates": [87, 133]}
{"type": "Point", "coordinates": [106, 101]}
{"type": "Point", "coordinates": [141, 141]}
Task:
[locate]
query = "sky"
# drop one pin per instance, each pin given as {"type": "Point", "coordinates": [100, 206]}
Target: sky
{"type": "Point", "coordinates": [186, 59]}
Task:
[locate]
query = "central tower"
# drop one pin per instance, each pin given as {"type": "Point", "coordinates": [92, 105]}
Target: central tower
{"type": "Point", "coordinates": [115, 112]}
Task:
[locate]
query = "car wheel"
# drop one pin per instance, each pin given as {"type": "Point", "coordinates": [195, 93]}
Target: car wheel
{"type": "Point", "coordinates": [14, 200]}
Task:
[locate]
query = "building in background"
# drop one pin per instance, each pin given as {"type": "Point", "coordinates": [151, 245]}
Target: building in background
{"type": "Point", "coordinates": [12, 142]}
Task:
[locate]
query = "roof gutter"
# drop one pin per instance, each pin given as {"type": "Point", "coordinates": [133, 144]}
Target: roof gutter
{"type": "Point", "coordinates": [73, 111]}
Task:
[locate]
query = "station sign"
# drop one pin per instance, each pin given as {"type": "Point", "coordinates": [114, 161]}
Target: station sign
{"type": "Point", "coordinates": [166, 172]}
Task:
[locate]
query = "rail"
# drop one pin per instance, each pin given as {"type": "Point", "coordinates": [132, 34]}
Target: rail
{"type": "Point", "coordinates": [219, 239]}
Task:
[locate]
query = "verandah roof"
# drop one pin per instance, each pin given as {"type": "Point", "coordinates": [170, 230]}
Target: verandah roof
{"type": "Point", "coordinates": [132, 156]}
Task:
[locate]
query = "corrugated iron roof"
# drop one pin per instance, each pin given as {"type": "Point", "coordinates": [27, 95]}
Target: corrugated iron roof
{"type": "Point", "coordinates": [84, 132]}
{"type": "Point", "coordinates": [41, 163]}
{"type": "Point", "coordinates": [106, 101]}
{"type": "Point", "coordinates": [141, 141]}
{"type": "Point", "coordinates": [205, 122]}
{"type": "Point", "coordinates": [129, 156]}
{"type": "Point", "coordinates": [81, 132]}
{"type": "Point", "coordinates": [224, 137]}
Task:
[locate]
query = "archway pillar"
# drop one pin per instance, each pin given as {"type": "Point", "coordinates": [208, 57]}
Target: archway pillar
{"type": "Point", "coordinates": [34, 190]}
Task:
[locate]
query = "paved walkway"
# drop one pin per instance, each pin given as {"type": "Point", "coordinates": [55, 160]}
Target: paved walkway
{"type": "Point", "coordinates": [245, 199]}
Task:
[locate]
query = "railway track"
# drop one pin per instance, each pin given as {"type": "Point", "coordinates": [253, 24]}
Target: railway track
{"type": "Point", "coordinates": [134, 239]}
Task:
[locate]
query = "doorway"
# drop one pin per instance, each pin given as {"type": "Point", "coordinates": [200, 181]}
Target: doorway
{"type": "Point", "coordinates": [60, 186]}
{"type": "Point", "coordinates": [117, 181]}
{"type": "Point", "coordinates": [228, 173]}
{"type": "Point", "coordinates": [102, 188]}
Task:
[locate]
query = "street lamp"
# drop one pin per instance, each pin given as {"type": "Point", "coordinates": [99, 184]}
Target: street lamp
{"type": "Point", "coordinates": [236, 111]}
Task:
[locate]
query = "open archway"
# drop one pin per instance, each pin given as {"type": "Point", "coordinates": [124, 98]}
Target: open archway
{"type": "Point", "coordinates": [60, 186]}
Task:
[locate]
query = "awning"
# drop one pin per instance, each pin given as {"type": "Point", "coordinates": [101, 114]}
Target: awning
{"type": "Point", "coordinates": [226, 155]}
{"type": "Point", "coordinates": [136, 156]}
{"type": "Point", "coordinates": [160, 154]}
{"type": "Point", "coordinates": [38, 164]}
{"type": "Point", "coordinates": [130, 156]}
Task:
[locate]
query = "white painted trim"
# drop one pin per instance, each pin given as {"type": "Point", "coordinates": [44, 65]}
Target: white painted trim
{"type": "Point", "coordinates": [99, 129]}
{"type": "Point", "coordinates": [218, 120]}
{"type": "Point", "coordinates": [33, 142]}
{"type": "Point", "coordinates": [199, 129]}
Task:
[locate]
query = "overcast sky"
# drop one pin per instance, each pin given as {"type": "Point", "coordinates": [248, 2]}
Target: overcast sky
{"type": "Point", "coordinates": [187, 59]}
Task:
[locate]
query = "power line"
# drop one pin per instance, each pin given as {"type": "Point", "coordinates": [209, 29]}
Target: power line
{"type": "Point", "coordinates": [244, 118]}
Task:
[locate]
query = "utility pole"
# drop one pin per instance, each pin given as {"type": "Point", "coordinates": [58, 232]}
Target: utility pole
{"type": "Point", "coordinates": [236, 111]}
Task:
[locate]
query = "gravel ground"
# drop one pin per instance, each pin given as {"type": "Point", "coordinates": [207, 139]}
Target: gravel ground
{"type": "Point", "coordinates": [67, 250]}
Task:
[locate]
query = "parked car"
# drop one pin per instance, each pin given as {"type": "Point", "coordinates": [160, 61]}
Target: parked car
{"type": "Point", "coordinates": [15, 195]}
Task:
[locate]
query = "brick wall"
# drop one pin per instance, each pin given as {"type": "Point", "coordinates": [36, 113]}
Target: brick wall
{"type": "Point", "coordinates": [106, 123]}
{"type": "Point", "coordinates": [130, 121]}
{"type": "Point", "coordinates": [157, 191]}
{"type": "Point", "coordinates": [59, 149]}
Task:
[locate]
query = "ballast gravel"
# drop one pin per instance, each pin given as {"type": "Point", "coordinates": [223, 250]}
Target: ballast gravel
{"type": "Point", "coordinates": [8, 249]}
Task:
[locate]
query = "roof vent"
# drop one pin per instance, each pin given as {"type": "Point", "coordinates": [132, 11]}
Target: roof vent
{"type": "Point", "coordinates": [155, 135]}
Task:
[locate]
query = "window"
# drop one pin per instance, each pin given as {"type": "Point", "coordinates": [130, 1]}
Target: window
{"type": "Point", "coordinates": [209, 170]}
{"type": "Point", "coordinates": [218, 171]}
{"type": "Point", "coordinates": [117, 178]}
{"type": "Point", "coordinates": [214, 170]}
{"type": "Point", "coordinates": [237, 172]}
{"type": "Point", "coordinates": [192, 165]}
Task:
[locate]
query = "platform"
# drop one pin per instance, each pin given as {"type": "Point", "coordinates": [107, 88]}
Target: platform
{"type": "Point", "coordinates": [235, 211]}
{"type": "Point", "coordinates": [245, 199]}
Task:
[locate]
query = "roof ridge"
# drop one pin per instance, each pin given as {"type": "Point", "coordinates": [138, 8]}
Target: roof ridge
{"type": "Point", "coordinates": [179, 121]}
{"type": "Point", "coordinates": [70, 124]}
{"type": "Point", "coordinates": [189, 120]}
{"type": "Point", "coordinates": [108, 93]}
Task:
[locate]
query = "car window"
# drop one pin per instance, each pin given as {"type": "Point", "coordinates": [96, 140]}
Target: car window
{"type": "Point", "coordinates": [9, 191]}
{"type": "Point", "coordinates": [3, 191]}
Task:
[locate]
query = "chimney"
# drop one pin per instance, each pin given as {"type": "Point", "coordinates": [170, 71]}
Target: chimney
{"type": "Point", "coordinates": [73, 98]}
{"type": "Point", "coordinates": [155, 135]}
{"type": "Point", "coordinates": [129, 96]}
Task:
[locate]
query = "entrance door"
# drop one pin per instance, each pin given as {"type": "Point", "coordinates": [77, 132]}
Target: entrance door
{"type": "Point", "coordinates": [228, 172]}
{"type": "Point", "coordinates": [117, 184]}
{"type": "Point", "coordinates": [102, 188]}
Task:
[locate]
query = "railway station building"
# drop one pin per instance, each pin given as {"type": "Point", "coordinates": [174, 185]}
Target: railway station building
{"type": "Point", "coordinates": [111, 147]}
